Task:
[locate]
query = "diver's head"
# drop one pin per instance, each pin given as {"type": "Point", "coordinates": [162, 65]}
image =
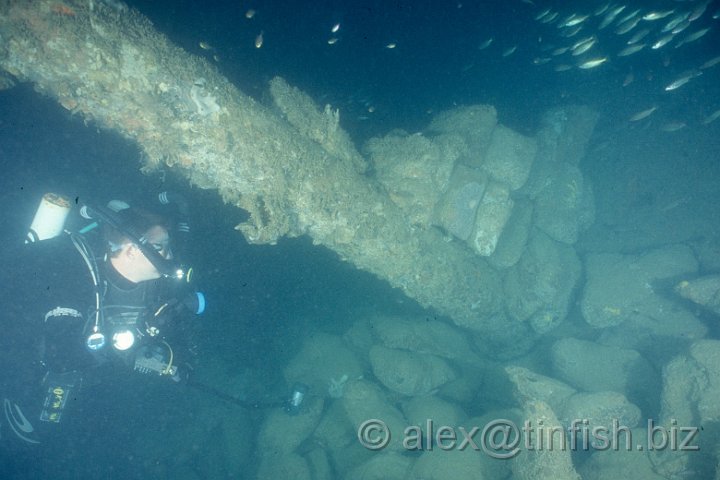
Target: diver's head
{"type": "Point", "coordinates": [124, 251]}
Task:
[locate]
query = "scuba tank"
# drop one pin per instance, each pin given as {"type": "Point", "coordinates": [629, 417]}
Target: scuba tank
{"type": "Point", "coordinates": [50, 216]}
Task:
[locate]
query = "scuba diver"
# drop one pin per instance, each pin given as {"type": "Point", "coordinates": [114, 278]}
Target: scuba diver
{"type": "Point", "coordinates": [79, 304]}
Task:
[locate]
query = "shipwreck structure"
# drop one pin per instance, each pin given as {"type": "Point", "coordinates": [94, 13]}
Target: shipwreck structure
{"type": "Point", "coordinates": [469, 218]}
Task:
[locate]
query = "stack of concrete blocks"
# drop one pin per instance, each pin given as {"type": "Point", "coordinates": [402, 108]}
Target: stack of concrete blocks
{"type": "Point", "coordinates": [460, 174]}
{"type": "Point", "coordinates": [414, 170]}
{"type": "Point", "coordinates": [538, 254]}
{"type": "Point", "coordinates": [495, 162]}
{"type": "Point", "coordinates": [519, 202]}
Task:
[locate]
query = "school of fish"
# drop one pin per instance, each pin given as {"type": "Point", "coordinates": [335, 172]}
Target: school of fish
{"type": "Point", "coordinates": [613, 31]}
{"type": "Point", "coordinates": [609, 35]}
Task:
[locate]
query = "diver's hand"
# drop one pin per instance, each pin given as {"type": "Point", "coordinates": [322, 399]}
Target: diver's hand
{"type": "Point", "coordinates": [182, 373]}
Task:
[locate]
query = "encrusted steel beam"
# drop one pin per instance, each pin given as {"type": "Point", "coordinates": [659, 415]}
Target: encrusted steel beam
{"type": "Point", "coordinates": [292, 168]}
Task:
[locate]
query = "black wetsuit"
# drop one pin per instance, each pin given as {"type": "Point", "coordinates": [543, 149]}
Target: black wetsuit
{"type": "Point", "coordinates": [49, 304]}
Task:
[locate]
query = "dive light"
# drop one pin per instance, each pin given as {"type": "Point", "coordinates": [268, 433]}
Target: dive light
{"type": "Point", "coordinates": [294, 403]}
{"type": "Point", "coordinates": [95, 341]}
{"type": "Point", "coordinates": [122, 339]}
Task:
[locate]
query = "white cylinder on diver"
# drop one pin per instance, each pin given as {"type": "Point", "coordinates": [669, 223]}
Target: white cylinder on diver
{"type": "Point", "coordinates": [50, 217]}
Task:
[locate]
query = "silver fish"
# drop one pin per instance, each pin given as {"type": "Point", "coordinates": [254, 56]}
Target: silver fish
{"type": "Point", "coordinates": [591, 38]}
{"type": "Point", "coordinates": [549, 18]}
{"type": "Point", "coordinates": [693, 36]}
{"type": "Point", "coordinates": [509, 51]}
{"type": "Point", "coordinates": [712, 117]}
{"type": "Point", "coordinates": [543, 13]}
{"type": "Point", "coordinates": [582, 49]}
{"type": "Point", "coordinates": [710, 63]}
{"type": "Point", "coordinates": [601, 9]}
{"type": "Point", "coordinates": [661, 42]}
{"type": "Point", "coordinates": [485, 44]}
{"type": "Point", "coordinates": [541, 60]}
{"type": "Point", "coordinates": [676, 20]}
{"type": "Point", "coordinates": [625, 27]}
{"type": "Point", "coordinates": [583, 45]}
{"type": "Point", "coordinates": [573, 20]}
{"type": "Point", "coordinates": [568, 32]}
{"type": "Point", "coordinates": [698, 11]}
{"type": "Point", "coordinates": [639, 35]}
{"type": "Point", "coordinates": [610, 16]}
{"type": "Point", "coordinates": [629, 78]}
{"type": "Point", "coordinates": [629, 50]}
{"type": "Point", "coordinates": [643, 114]}
{"type": "Point", "coordinates": [657, 15]}
{"type": "Point", "coordinates": [616, 11]}
{"type": "Point", "coordinates": [595, 62]}
{"type": "Point", "coordinates": [682, 80]}
{"type": "Point", "coordinates": [628, 17]}
{"type": "Point", "coordinates": [564, 22]}
{"type": "Point", "coordinates": [680, 27]}
{"type": "Point", "coordinates": [673, 126]}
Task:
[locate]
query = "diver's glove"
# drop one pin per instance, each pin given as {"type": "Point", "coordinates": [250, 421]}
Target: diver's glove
{"type": "Point", "coordinates": [182, 374]}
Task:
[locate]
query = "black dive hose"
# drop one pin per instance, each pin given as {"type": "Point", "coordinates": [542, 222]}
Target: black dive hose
{"type": "Point", "coordinates": [292, 405]}
{"type": "Point", "coordinates": [205, 388]}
